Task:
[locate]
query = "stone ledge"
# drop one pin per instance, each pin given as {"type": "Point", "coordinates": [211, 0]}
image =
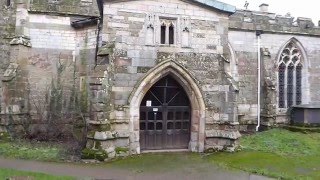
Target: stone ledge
{"type": "Point", "coordinates": [110, 135]}
{"type": "Point", "coordinates": [21, 40]}
{"type": "Point", "coordinates": [222, 123]}
{"type": "Point", "coordinates": [98, 122]}
{"type": "Point", "coordinates": [223, 134]}
{"type": "Point", "coordinates": [120, 121]}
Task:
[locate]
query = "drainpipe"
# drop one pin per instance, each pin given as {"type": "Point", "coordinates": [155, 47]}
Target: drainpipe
{"type": "Point", "coordinates": [99, 27]}
{"type": "Point", "coordinates": [258, 34]}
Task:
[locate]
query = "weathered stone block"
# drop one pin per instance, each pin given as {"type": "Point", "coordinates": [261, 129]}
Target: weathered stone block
{"type": "Point", "coordinates": [223, 134]}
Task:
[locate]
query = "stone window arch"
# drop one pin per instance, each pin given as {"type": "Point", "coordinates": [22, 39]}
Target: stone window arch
{"type": "Point", "coordinates": [291, 66]}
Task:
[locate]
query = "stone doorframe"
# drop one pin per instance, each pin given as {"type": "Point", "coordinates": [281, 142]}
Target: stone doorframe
{"type": "Point", "coordinates": [182, 76]}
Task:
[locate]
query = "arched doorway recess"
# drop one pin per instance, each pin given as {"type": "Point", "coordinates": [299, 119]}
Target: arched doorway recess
{"type": "Point", "coordinates": [188, 84]}
{"type": "Point", "coordinates": [165, 116]}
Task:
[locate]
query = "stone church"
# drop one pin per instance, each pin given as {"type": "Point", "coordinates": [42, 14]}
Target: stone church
{"type": "Point", "coordinates": [154, 75]}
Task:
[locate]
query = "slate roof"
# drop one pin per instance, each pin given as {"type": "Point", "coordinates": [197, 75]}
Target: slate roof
{"type": "Point", "coordinates": [217, 5]}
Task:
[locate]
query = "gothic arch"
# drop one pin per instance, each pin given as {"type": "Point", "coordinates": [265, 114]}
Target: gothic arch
{"type": "Point", "coordinates": [191, 88]}
{"type": "Point", "coordinates": [292, 75]}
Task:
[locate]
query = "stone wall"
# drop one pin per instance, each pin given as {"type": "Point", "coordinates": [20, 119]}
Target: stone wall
{"type": "Point", "coordinates": [67, 7]}
{"type": "Point", "coordinates": [47, 77]}
{"type": "Point", "coordinates": [7, 29]}
{"type": "Point", "coordinates": [277, 31]}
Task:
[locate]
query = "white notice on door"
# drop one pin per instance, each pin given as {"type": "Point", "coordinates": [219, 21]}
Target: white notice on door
{"type": "Point", "coordinates": [155, 109]}
{"type": "Point", "coordinates": [148, 103]}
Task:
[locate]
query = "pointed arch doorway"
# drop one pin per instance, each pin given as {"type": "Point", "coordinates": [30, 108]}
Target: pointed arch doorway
{"type": "Point", "coordinates": [165, 116]}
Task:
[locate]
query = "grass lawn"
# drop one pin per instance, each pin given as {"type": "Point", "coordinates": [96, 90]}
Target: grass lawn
{"type": "Point", "coordinates": [8, 173]}
{"type": "Point", "coordinates": [276, 153]}
{"type": "Point", "coordinates": [27, 150]}
{"type": "Point", "coordinates": [160, 162]}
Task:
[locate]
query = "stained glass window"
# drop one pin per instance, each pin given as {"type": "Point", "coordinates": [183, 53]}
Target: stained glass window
{"type": "Point", "coordinates": [290, 76]}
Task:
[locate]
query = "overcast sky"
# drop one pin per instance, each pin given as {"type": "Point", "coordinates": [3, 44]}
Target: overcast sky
{"type": "Point", "coordinates": [305, 8]}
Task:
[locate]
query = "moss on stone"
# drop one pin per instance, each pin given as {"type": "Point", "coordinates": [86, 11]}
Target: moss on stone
{"type": "Point", "coordinates": [84, 98]}
{"type": "Point", "coordinates": [104, 127]}
{"type": "Point", "coordinates": [107, 49]}
{"type": "Point", "coordinates": [119, 150]}
{"type": "Point", "coordinates": [91, 134]}
{"type": "Point", "coordinates": [97, 154]}
{"type": "Point", "coordinates": [97, 145]}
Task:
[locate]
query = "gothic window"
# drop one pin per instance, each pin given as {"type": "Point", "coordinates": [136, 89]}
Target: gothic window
{"type": "Point", "coordinates": [289, 76]}
{"type": "Point", "coordinates": [167, 31]}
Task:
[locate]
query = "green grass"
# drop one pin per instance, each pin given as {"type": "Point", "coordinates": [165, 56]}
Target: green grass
{"type": "Point", "coordinates": [276, 153]}
{"type": "Point", "coordinates": [7, 173]}
{"type": "Point", "coordinates": [158, 162]}
{"type": "Point", "coordinates": [283, 142]}
{"type": "Point", "coordinates": [27, 150]}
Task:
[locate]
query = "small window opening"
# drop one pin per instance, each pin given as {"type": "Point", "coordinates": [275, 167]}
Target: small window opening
{"type": "Point", "coordinates": [163, 34]}
{"type": "Point", "coordinates": [8, 2]}
{"type": "Point", "coordinates": [171, 34]}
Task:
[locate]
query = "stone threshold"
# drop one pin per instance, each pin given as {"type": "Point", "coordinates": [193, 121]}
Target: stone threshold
{"type": "Point", "coordinates": [164, 150]}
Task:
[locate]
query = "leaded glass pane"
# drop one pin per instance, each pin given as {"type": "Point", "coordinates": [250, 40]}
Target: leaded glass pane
{"type": "Point", "coordinates": [286, 59]}
{"type": "Point", "coordinates": [295, 51]}
{"type": "Point", "coordinates": [298, 83]}
{"type": "Point", "coordinates": [290, 85]}
{"type": "Point", "coordinates": [295, 59]}
{"type": "Point", "coordinates": [282, 69]}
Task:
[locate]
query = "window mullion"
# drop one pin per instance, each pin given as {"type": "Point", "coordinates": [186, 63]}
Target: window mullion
{"type": "Point", "coordinates": [167, 34]}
